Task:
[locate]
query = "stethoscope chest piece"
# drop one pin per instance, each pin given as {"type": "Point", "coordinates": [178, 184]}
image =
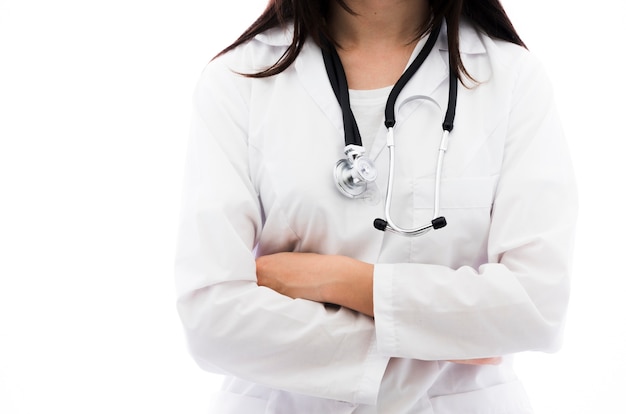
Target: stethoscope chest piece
{"type": "Point", "coordinates": [353, 173]}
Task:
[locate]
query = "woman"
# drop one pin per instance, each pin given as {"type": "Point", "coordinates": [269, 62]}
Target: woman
{"type": "Point", "coordinates": [284, 284]}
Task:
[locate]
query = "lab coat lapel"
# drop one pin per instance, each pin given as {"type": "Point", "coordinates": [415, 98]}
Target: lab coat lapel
{"type": "Point", "coordinates": [312, 74]}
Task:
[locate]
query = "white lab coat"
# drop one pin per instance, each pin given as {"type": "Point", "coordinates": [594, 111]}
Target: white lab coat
{"type": "Point", "coordinates": [259, 180]}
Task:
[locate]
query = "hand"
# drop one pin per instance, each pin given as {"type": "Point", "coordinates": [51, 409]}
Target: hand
{"type": "Point", "coordinates": [479, 361]}
{"type": "Point", "coordinates": [322, 278]}
{"type": "Point", "coordinates": [297, 275]}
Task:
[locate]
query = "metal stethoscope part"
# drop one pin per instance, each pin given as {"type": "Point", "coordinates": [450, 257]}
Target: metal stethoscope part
{"type": "Point", "coordinates": [353, 173]}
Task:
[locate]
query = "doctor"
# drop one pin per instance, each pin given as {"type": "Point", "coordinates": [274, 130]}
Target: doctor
{"type": "Point", "coordinates": [285, 286]}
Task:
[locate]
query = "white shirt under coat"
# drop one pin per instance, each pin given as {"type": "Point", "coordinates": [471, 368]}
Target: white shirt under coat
{"type": "Point", "coordinates": [495, 281]}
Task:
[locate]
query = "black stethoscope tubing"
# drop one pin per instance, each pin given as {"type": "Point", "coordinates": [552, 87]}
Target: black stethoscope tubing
{"type": "Point", "coordinates": [339, 83]}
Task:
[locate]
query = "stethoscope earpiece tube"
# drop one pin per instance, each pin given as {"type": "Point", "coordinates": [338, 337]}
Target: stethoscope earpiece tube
{"type": "Point", "coordinates": [448, 122]}
{"type": "Point", "coordinates": [390, 117]}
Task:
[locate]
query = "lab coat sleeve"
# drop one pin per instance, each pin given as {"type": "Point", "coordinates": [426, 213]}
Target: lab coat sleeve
{"type": "Point", "coordinates": [232, 325]}
{"type": "Point", "coordinates": [517, 301]}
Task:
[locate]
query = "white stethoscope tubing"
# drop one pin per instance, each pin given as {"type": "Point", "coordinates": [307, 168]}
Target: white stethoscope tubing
{"type": "Point", "coordinates": [390, 225]}
{"type": "Point", "coordinates": [443, 147]}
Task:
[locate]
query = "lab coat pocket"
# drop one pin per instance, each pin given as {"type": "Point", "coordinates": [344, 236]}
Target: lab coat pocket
{"type": "Point", "coordinates": [456, 192]}
{"type": "Point", "coordinates": [466, 204]}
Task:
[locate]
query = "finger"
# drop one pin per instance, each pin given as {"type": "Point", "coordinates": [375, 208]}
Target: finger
{"type": "Point", "coordinates": [478, 361]}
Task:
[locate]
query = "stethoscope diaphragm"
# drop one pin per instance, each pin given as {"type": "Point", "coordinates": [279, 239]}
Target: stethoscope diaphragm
{"type": "Point", "coordinates": [355, 172]}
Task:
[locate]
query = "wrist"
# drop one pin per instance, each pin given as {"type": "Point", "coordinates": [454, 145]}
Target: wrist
{"type": "Point", "coordinates": [349, 284]}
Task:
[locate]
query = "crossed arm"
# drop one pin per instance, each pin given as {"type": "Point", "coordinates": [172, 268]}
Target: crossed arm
{"type": "Point", "coordinates": [333, 279]}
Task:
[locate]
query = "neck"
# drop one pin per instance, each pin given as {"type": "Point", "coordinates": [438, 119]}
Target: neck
{"type": "Point", "coordinates": [378, 22]}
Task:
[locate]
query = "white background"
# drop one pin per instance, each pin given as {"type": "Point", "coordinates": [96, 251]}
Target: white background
{"type": "Point", "coordinates": [94, 113]}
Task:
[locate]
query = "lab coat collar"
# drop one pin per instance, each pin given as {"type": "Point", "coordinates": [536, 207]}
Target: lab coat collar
{"type": "Point", "coordinates": [470, 42]}
{"type": "Point", "coordinates": [277, 36]}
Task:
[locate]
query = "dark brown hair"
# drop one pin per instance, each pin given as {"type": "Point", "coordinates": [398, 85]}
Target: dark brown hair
{"type": "Point", "coordinates": [308, 20]}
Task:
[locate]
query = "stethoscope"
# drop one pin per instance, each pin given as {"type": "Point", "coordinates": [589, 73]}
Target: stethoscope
{"type": "Point", "coordinates": [356, 170]}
